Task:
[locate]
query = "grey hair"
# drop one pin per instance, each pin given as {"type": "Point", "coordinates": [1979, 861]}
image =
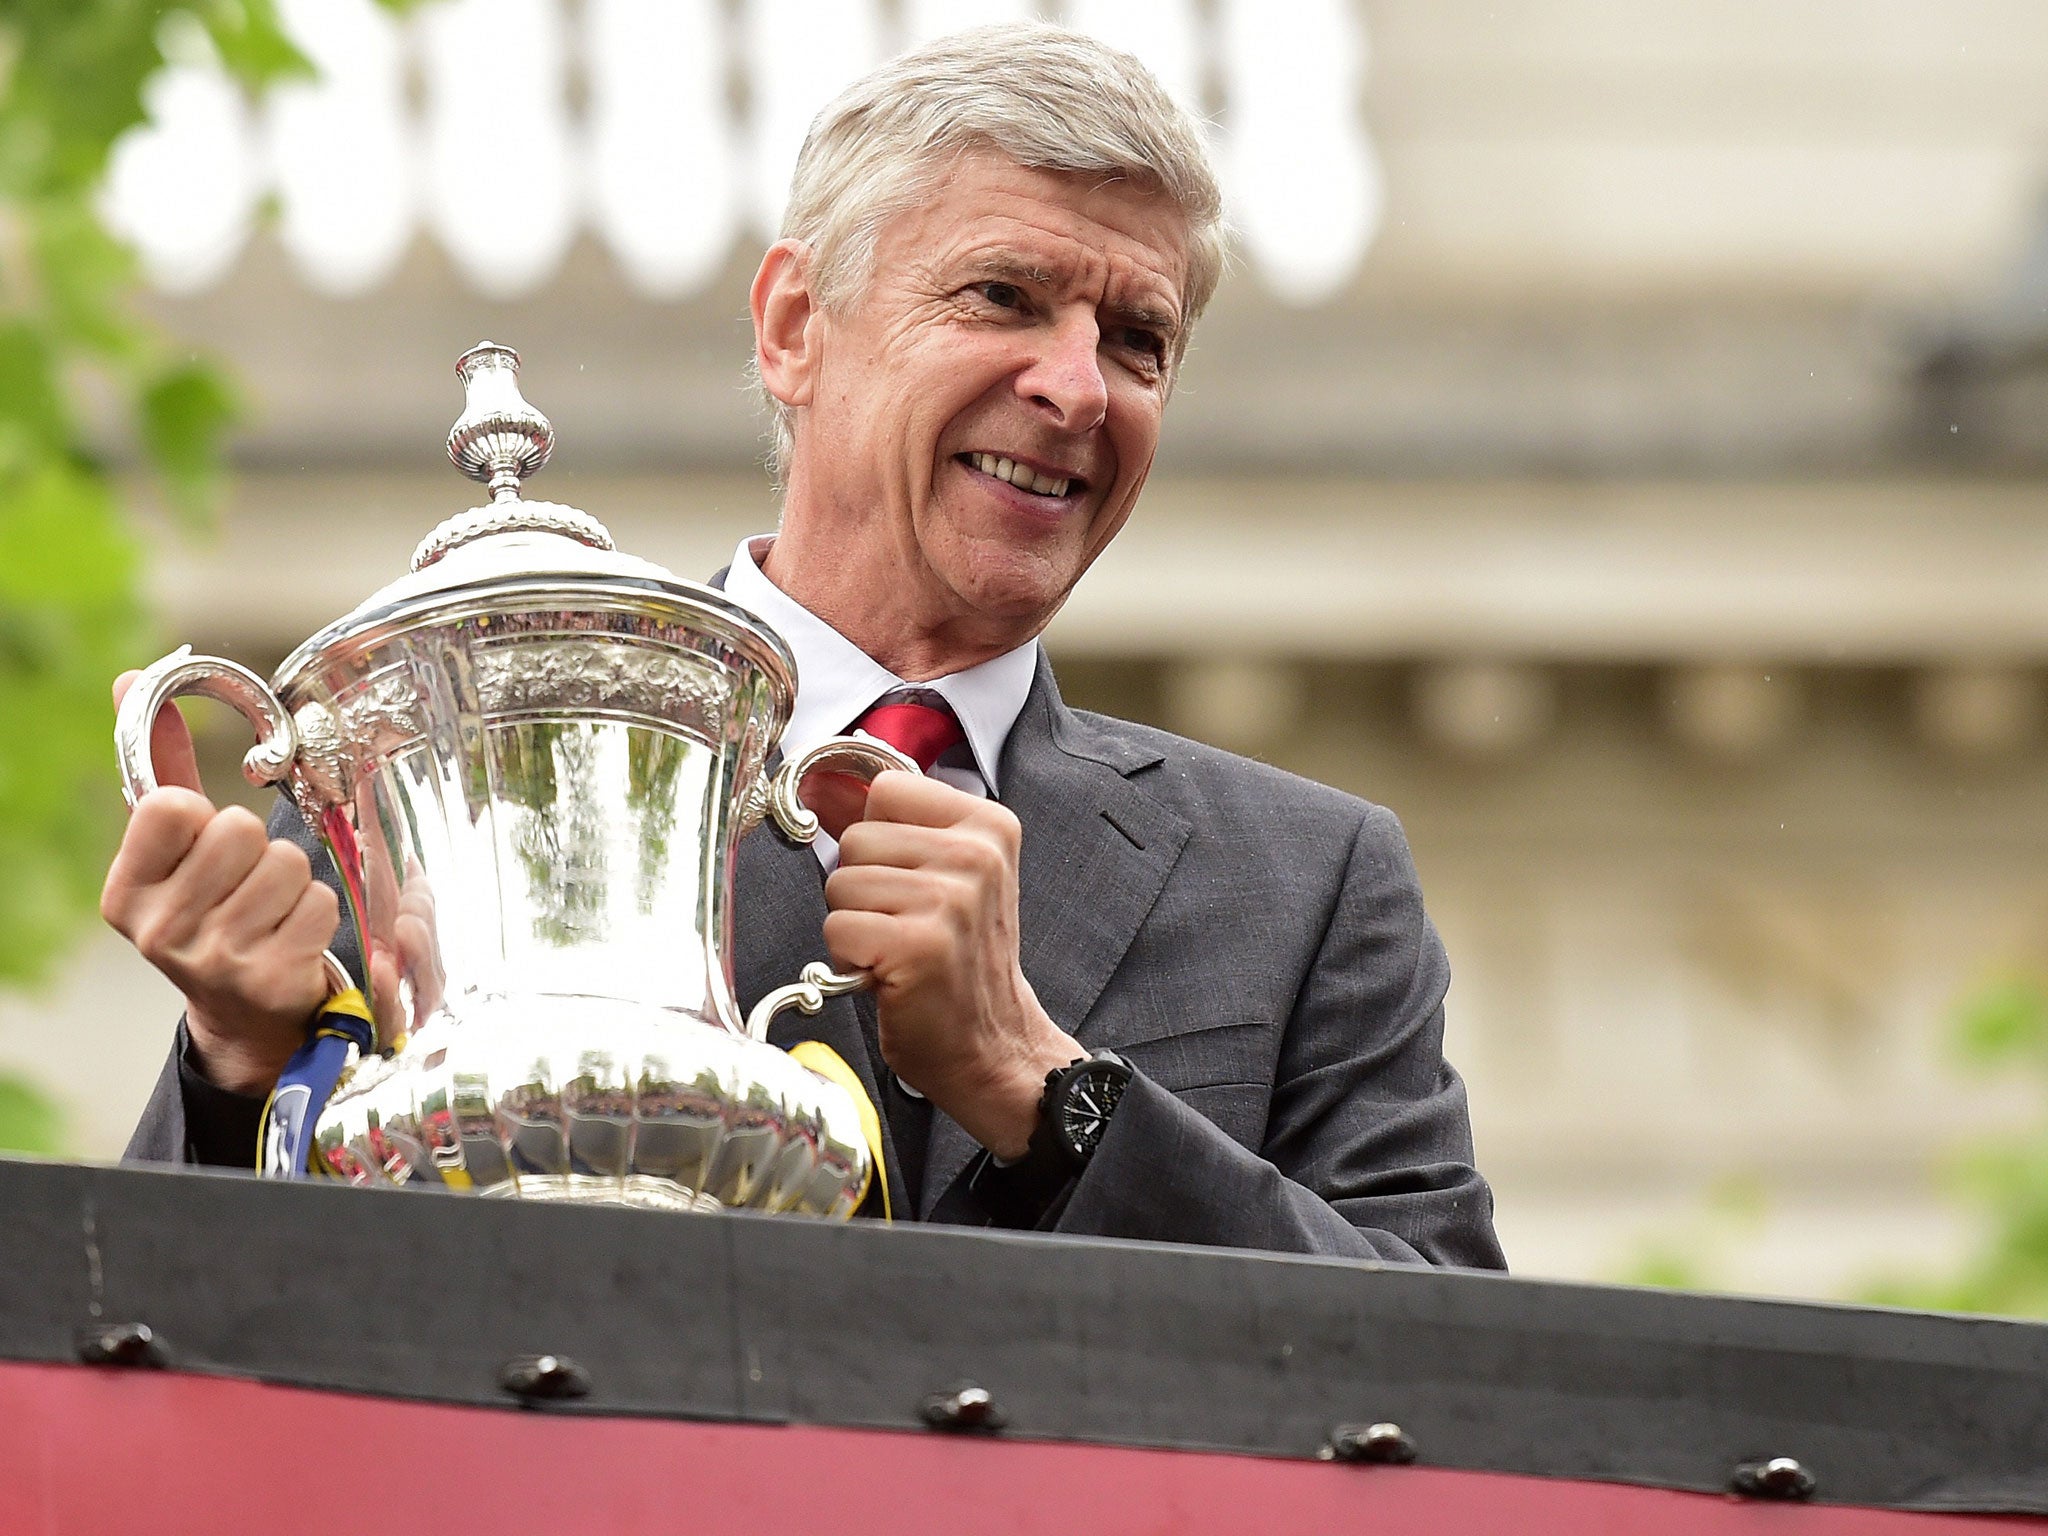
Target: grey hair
{"type": "Point", "coordinates": [1047, 97]}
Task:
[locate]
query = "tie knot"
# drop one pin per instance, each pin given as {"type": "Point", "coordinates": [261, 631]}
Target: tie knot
{"type": "Point", "coordinates": [923, 729]}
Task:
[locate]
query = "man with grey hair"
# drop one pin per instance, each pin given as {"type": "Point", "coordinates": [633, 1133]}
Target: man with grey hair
{"type": "Point", "coordinates": [1124, 984]}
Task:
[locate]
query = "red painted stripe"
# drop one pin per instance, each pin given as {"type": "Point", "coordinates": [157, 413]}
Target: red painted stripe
{"type": "Point", "coordinates": [94, 1452]}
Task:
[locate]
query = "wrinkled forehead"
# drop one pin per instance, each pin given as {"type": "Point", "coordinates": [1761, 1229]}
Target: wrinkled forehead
{"type": "Point", "coordinates": [1007, 219]}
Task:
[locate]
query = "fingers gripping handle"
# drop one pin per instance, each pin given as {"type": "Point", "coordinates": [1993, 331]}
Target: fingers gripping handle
{"type": "Point", "coordinates": [179, 674]}
{"type": "Point", "coordinates": [859, 755]}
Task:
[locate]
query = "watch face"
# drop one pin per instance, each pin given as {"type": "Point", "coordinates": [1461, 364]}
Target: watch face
{"type": "Point", "coordinates": [1090, 1101]}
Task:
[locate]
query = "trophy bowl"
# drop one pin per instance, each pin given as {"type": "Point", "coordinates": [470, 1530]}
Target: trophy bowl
{"type": "Point", "coordinates": [531, 761]}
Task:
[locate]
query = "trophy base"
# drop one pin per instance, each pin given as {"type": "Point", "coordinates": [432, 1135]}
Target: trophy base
{"type": "Point", "coordinates": [595, 1101]}
{"type": "Point", "coordinates": [636, 1190]}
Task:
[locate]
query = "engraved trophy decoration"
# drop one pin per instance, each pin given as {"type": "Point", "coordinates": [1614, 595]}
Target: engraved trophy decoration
{"type": "Point", "coordinates": [532, 760]}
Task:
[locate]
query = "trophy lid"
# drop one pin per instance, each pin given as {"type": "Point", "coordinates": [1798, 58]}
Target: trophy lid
{"type": "Point", "coordinates": [500, 439]}
{"type": "Point", "coordinates": [509, 543]}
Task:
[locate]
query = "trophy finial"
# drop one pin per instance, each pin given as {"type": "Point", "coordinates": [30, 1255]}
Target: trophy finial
{"type": "Point", "coordinates": [499, 439]}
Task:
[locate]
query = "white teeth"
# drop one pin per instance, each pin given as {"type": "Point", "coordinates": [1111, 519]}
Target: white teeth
{"type": "Point", "coordinates": [1020, 475]}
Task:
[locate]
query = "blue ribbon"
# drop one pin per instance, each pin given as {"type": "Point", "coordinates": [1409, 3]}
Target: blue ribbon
{"type": "Point", "coordinates": [307, 1082]}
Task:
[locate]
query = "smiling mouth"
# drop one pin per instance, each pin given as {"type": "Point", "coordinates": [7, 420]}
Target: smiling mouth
{"type": "Point", "coordinates": [1022, 476]}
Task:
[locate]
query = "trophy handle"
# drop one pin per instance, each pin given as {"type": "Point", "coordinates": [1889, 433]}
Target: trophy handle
{"type": "Point", "coordinates": [865, 757]}
{"type": "Point", "coordinates": [182, 673]}
{"type": "Point", "coordinates": [862, 756]}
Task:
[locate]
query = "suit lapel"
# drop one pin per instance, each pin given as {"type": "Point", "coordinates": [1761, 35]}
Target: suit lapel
{"type": "Point", "coordinates": [1097, 851]}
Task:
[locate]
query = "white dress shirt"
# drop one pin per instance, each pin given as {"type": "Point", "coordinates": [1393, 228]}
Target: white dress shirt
{"type": "Point", "coordinates": [838, 682]}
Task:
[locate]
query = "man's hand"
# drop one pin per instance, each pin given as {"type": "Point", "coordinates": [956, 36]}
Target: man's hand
{"type": "Point", "coordinates": [925, 897]}
{"type": "Point", "coordinates": [236, 921]}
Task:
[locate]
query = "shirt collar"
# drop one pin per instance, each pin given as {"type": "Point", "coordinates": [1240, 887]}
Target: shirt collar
{"type": "Point", "coordinates": [838, 682]}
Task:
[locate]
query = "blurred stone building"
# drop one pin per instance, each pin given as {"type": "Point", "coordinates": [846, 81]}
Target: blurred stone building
{"type": "Point", "coordinates": [1619, 451]}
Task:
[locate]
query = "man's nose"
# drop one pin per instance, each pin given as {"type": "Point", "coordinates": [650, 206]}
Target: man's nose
{"type": "Point", "coordinates": [1065, 377]}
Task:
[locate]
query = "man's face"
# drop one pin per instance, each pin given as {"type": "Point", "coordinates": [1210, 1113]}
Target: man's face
{"type": "Point", "coordinates": [981, 418]}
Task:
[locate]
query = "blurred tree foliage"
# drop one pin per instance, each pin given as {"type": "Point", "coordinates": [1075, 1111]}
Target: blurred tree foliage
{"type": "Point", "coordinates": [72, 74]}
{"type": "Point", "coordinates": [1696, 1255]}
{"type": "Point", "coordinates": [2003, 1029]}
{"type": "Point", "coordinates": [2003, 1181]}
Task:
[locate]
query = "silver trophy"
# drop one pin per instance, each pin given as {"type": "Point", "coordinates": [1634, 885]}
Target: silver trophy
{"type": "Point", "coordinates": [532, 760]}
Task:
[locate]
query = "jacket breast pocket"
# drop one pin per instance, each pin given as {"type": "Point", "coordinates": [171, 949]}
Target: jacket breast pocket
{"type": "Point", "coordinates": [1224, 1073]}
{"type": "Point", "coordinates": [1239, 1054]}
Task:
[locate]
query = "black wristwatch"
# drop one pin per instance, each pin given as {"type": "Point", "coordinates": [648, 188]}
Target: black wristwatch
{"type": "Point", "coordinates": [1073, 1117]}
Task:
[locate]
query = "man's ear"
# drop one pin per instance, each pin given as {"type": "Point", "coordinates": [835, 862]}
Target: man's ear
{"type": "Point", "coordinates": [785, 345]}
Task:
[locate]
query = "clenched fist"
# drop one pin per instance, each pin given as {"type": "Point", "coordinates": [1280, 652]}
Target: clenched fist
{"type": "Point", "coordinates": [235, 921]}
{"type": "Point", "coordinates": [925, 897]}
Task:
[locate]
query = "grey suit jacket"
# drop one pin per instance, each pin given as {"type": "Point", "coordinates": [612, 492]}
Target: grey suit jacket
{"type": "Point", "coordinates": [1252, 942]}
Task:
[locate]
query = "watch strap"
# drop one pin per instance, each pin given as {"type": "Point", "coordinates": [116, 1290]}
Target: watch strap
{"type": "Point", "coordinates": [1019, 1194]}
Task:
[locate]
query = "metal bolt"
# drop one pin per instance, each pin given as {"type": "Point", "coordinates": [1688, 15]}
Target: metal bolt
{"type": "Point", "coordinates": [967, 1409]}
{"type": "Point", "coordinates": [1779, 1477]}
{"type": "Point", "coordinates": [1385, 1444]}
{"type": "Point", "coordinates": [130, 1344]}
{"type": "Point", "coordinates": [545, 1378]}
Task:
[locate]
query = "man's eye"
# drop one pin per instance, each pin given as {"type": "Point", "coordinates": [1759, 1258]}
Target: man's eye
{"type": "Point", "coordinates": [1003, 295]}
{"type": "Point", "coordinates": [1151, 343]}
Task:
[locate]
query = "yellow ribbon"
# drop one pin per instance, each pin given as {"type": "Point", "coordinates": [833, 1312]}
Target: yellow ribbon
{"type": "Point", "coordinates": [831, 1066]}
{"type": "Point", "coordinates": [351, 1002]}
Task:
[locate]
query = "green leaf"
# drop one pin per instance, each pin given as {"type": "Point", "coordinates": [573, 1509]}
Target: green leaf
{"type": "Point", "coordinates": [1666, 1266]}
{"type": "Point", "coordinates": [69, 620]}
{"type": "Point", "coordinates": [2006, 1021]}
{"type": "Point", "coordinates": [77, 82]}
{"type": "Point", "coordinates": [30, 1120]}
{"type": "Point", "coordinates": [2004, 1182]}
{"type": "Point", "coordinates": [32, 399]}
{"type": "Point", "coordinates": [1740, 1198]}
{"type": "Point", "coordinates": [85, 275]}
{"type": "Point", "coordinates": [26, 149]}
{"type": "Point", "coordinates": [185, 412]}
{"type": "Point", "coordinates": [252, 43]}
